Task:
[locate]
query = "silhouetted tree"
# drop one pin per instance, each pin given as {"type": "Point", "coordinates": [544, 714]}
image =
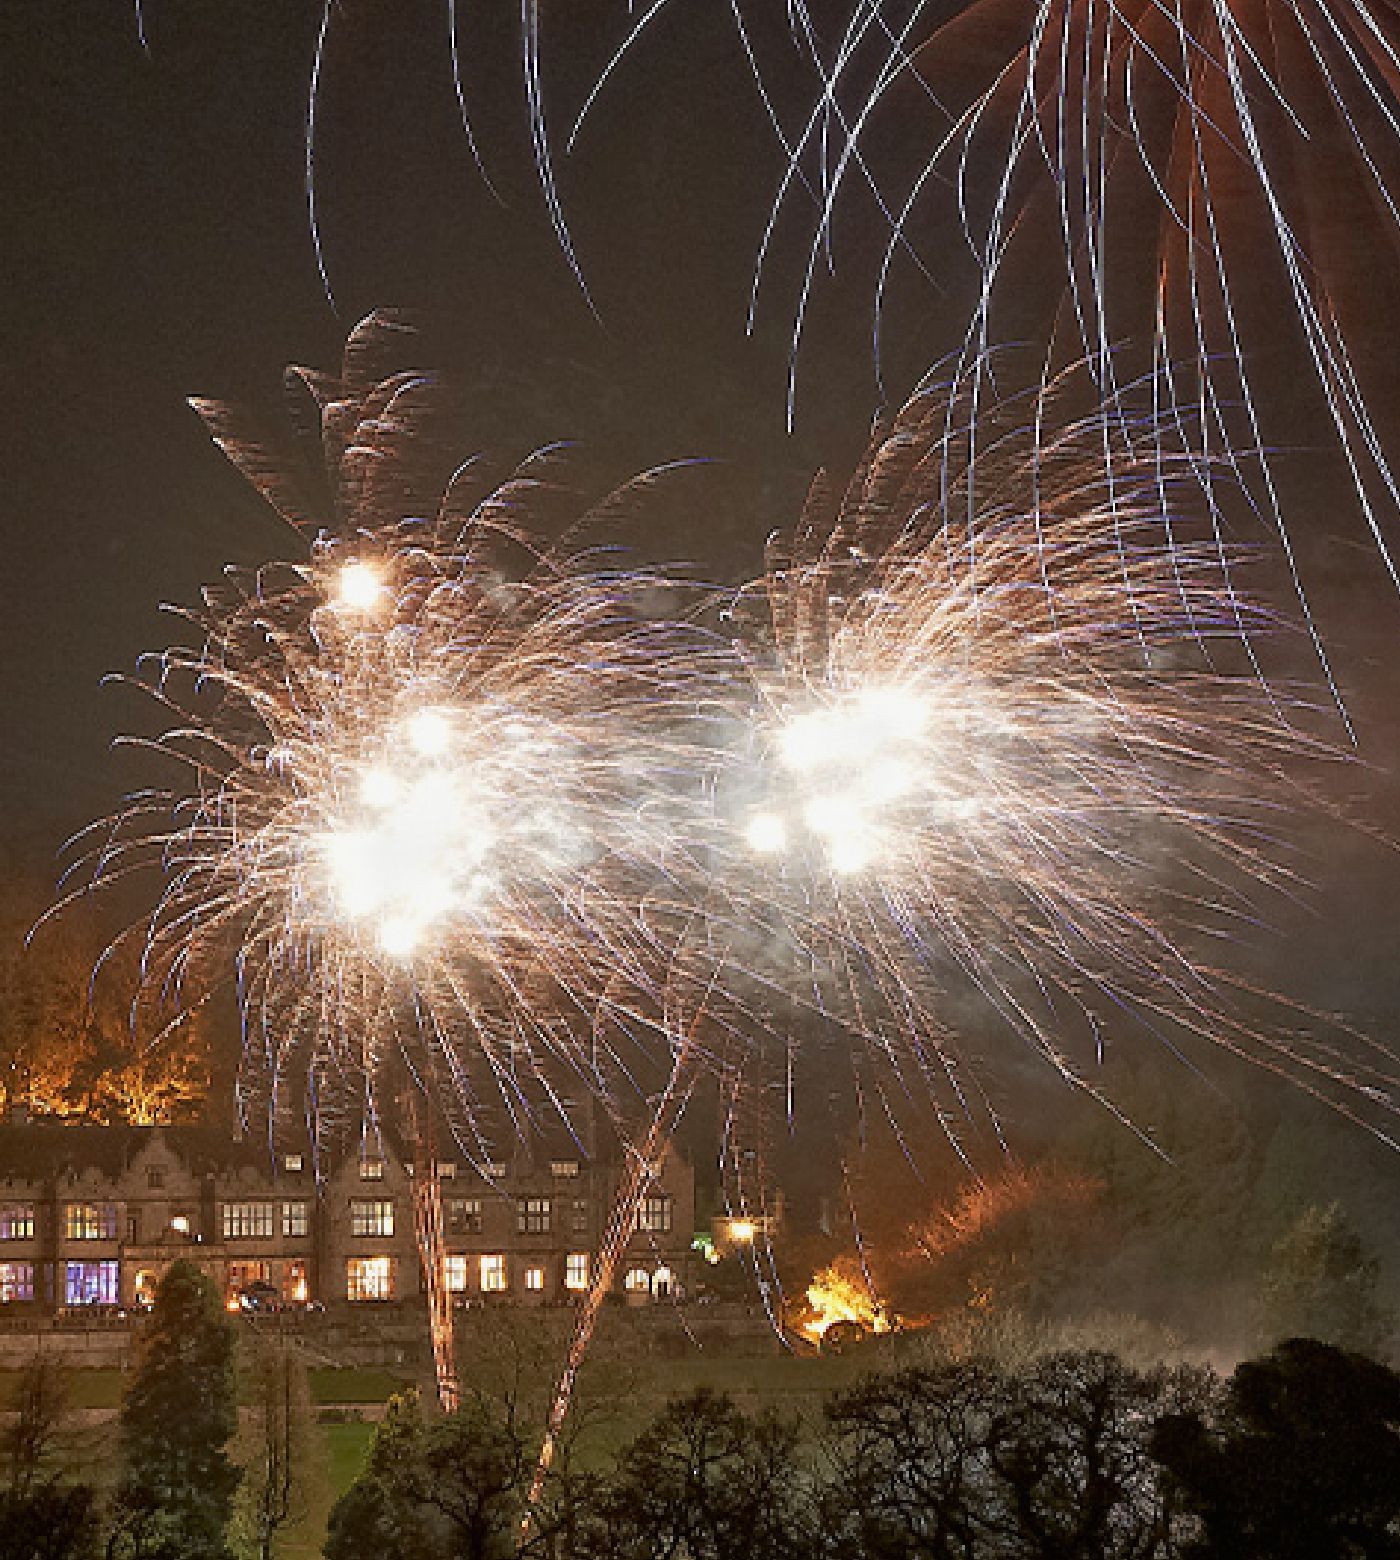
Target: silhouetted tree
{"type": "Point", "coordinates": [706, 1482]}
{"type": "Point", "coordinates": [442, 1489]}
{"type": "Point", "coordinates": [1072, 1472]}
{"type": "Point", "coordinates": [175, 1491]}
{"type": "Point", "coordinates": [52, 1521]}
{"type": "Point", "coordinates": [276, 1451]}
{"type": "Point", "coordinates": [41, 1516]}
{"type": "Point", "coordinates": [1300, 1462]}
{"type": "Point", "coordinates": [908, 1462]}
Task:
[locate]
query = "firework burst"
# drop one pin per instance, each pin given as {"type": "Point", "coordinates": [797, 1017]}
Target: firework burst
{"type": "Point", "coordinates": [434, 794]}
{"type": "Point", "coordinates": [1009, 766]}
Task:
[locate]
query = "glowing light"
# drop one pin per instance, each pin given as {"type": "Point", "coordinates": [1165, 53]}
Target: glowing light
{"type": "Point", "coordinates": [766, 833]}
{"type": "Point", "coordinates": [842, 1293]}
{"type": "Point", "coordinates": [742, 1230]}
{"type": "Point", "coordinates": [430, 732]}
{"type": "Point", "coordinates": [360, 586]}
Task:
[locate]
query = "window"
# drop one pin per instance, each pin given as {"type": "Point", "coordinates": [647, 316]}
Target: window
{"type": "Point", "coordinates": [16, 1282]}
{"type": "Point", "coordinates": [293, 1164]}
{"type": "Point", "coordinates": [371, 1218]}
{"type": "Point", "coordinates": [462, 1215]}
{"type": "Point", "coordinates": [369, 1278]}
{"type": "Point", "coordinates": [447, 1169]}
{"type": "Point", "coordinates": [655, 1215]}
{"type": "Point", "coordinates": [534, 1278]}
{"type": "Point", "coordinates": [371, 1169]}
{"type": "Point", "coordinates": [532, 1215]}
{"type": "Point", "coordinates": [457, 1275]}
{"type": "Point", "coordinates": [564, 1169]}
{"type": "Point", "coordinates": [661, 1283]}
{"type": "Point", "coordinates": [638, 1281]}
{"type": "Point", "coordinates": [294, 1222]}
{"type": "Point", "coordinates": [91, 1221]}
{"type": "Point", "coordinates": [580, 1216]}
{"type": "Point", "coordinates": [143, 1291]}
{"type": "Point", "coordinates": [493, 1274]}
{"type": "Point", "coordinates": [180, 1223]}
{"type": "Point", "coordinates": [17, 1221]}
{"type": "Point", "coordinates": [155, 1177]}
{"type": "Point", "coordinates": [240, 1276]}
{"type": "Point", "coordinates": [249, 1220]}
{"type": "Point", "coordinates": [133, 1228]}
{"type": "Point", "coordinates": [90, 1283]}
{"type": "Point", "coordinates": [295, 1289]}
{"type": "Point", "coordinates": [493, 1169]}
{"type": "Point", "coordinates": [576, 1270]}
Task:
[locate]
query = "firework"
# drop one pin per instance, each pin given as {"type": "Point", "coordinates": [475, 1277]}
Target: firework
{"type": "Point", "coordinates": [1009, 765]}
{"type": "Point", "coordinates": [434, 792]}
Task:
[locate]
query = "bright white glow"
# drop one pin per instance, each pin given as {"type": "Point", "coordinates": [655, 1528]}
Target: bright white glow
{"type": "Point", "coordinates": [380, 788]}
{"type": "Point", "coordinates": [430, 733]}
{"type": "Point", "coordinates": [360, 586]}
{"type": "Point", "coordinates": [851, 853]}
{"type": "Point", "coordinates": [398, 936]}
{"type": "Point", "coordinates": [830, 815]}
{"type": "Point", "coordinates": [766, 833]}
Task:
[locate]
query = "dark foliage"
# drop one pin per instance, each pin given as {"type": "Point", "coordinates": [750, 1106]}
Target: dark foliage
{"type": "Point", "coordinates": [175, 1492]}
{"type": "Point", "coordinates": [1301, 1461]}
{"type": "Point", "coordinates": [49, 1521]}
{"type": "Point", "coordinates": [706, 1482]}
{"type": "Point", "coordinates": [444, 1489]}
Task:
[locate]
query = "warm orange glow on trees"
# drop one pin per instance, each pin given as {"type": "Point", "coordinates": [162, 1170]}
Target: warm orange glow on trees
{"type": "Point", "coordinates": [71, 1044]}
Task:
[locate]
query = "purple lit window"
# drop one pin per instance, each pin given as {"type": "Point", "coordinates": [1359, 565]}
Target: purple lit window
{"type": "Point", "coordinates": [91, 1283]}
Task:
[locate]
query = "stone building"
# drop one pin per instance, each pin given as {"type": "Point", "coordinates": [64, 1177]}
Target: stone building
{"type": "Point", "coordinates": [90, 1218]}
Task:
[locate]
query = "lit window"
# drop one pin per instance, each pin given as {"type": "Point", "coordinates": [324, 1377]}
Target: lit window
{"type": "Point", "coordinates": [493, 1274]}
{"type": "Point", "coordinates": [144, 1289]}
{"type": "Point", "coordinates": [638, 1281]}
{"type": "Point", "coordinates": [371, 1169]}
{"type": "Point", "coordinates": [295, 1289]}
{"type": "Point", "coordinates": [371, 1218]}
{"type": "Point", "coordinates": [580, 1212]}
{"type": "Point", "coordinates": [576, 1270]}
{"type": "Point", "coordinates": [565, 1169]}
{"type": "Point", "coordinates": [654, 1217]}
{"type": "Point", "coordinates": [90, 1283]}
{"type": "Point", "coordinates": [242, 1275]}
{"type": "Point", "coordinates": [293, 1163]}
{"type": "Point", "coordinates": [16, 1281]}
{"type": "Point", "coordinates": [462, 1215]}
{"type": "Point", "coordinates": [457, 1268]}
{"type": "Point", "coordinates": [534, 1278]}
{"type": "Point", "coordinates": [249, 1220]}
{"type": "Point", "coordinates": [17, 1221]}
{"type": "Point", "coordinates": [532, 1215]}
{"type": "Point", "coordinates": [369, 1278]}
{"type": "Point", "coordinates": [294, 1220]}
{"type": "Point", "coordinates": [91, 1221]}
{"type": "Point", "coordinates": [180, 1223]}
{"type": "Point", "coordinates": [447, 1169]}
{"type": "Point", "coordinates": [661, 1282]}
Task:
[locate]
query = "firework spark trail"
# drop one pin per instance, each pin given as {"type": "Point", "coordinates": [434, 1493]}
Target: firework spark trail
{"type": "Point", "coordinates": [432, 801]}
{"type": "Point", "coordinates": [1006, 742]}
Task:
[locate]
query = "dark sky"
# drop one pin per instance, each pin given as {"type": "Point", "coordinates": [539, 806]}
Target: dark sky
{"type": "Point", "coordinates": [155, 244]}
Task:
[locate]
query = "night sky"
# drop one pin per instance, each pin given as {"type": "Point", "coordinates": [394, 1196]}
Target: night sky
{"type": "Point", "coordinates": [156, 245]}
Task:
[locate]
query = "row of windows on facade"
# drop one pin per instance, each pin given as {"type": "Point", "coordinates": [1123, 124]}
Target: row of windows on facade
{"type": "Point", "coordinates": [372, 1169]}
{"type": "Point", "coordinates": [366, 1278]}
{"type": "Point", "coordinates": [368, 1217]}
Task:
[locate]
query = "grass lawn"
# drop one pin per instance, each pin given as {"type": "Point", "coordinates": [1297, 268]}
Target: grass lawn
{"type": "Point", "coordinates": [346, 1448]}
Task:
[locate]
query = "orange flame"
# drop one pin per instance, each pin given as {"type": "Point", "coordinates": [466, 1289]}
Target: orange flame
{"type": "Point", "coordinates": [842, 1293]}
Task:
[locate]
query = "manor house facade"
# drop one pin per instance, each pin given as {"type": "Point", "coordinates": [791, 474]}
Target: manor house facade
{"type": "Point", "coordinates": [90, 1218]}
